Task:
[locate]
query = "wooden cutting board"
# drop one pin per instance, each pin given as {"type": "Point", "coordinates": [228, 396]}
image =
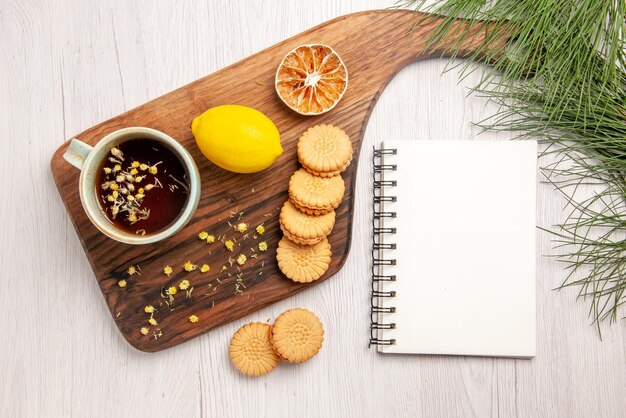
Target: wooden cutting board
{"type": "Point", "coordinates": [374, 45]}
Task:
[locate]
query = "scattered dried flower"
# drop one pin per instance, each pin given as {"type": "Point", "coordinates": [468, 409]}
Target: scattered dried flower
{"type": "Point", "coordinates": [203, 235]}
{"type": "Point", "coordinates": [152, 321]}
{"type": "Point", "coordinates": [193, 319]}
{"type": "Point", "coordinates": [172, 290]}
{"type": "Point", "coordinates": [241, 259]}
{"type": "Point", "coordinates": [189, 266]}
{"type": "Point", "coordinates": [184, 285]}
{"type": "Point", "coordinates": [241, 227]}
{"type": "Point", "coordinates": [260, 229]}
{"type": "Point", "coordinates": [144, 330]}
{"type": "Point", "coordinates": [149, 309]}
{"type": "Point", "coordinates": [263, 246]}
{"type": "Point", "coordinates": [122, 283]}
{"type": "Point", "coordinates": [204, 268]}
{"type": "Point", "coordinates": [229, 245]}
{"type": "Point", "coordinates": [167, 270]}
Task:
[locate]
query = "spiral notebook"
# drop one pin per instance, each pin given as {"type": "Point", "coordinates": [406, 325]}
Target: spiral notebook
{"type": "Point", "coordinates": [453, 252]}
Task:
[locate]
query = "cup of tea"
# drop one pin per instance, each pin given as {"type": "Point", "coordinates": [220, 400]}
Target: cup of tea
{"type": "Point", "coordinates": [137, 185]}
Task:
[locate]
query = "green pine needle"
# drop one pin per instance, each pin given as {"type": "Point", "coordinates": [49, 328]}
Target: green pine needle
{"type": "Point", "coordinates": [562, 80]}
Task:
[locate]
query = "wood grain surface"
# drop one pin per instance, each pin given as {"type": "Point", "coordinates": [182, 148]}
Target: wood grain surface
{"type": "Point", "coordinates": [67, 65]}
{"type": "Point", "coordinates": [383, 46]}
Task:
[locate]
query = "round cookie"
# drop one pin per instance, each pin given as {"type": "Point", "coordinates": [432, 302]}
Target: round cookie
{"type": "Point", "coordinates": [325, 150]}
{"type": "Point", "coordinates": [297, 335]}
{"type": "Point", "coordinates": [315, 195]}
{"type": "Point", "coordinates": [324, 173]}
{"type": "Point", "coordinates": [251, 349]}
{"type": "Point", "coordinates": [302, 228]}
{"type": "Point", "coordinates": [303, 263]}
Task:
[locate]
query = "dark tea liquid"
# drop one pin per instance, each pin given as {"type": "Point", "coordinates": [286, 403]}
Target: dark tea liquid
{"type": "Point", "coordinates": [155, 164]}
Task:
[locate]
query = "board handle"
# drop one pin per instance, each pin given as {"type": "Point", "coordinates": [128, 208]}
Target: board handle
{"type": "Point", "coordinates": [412, 36]}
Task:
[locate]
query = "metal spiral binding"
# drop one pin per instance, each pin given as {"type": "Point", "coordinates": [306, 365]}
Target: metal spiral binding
{"type": "Point", "coordinates": [378, 262]}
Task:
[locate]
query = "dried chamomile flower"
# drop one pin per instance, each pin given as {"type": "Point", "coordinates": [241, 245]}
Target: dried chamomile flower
{"type": "Point", "coordinates": [241, 259]}
{"type": "Point", "coordinates": [149, 186]}
{"type": "Point", "coordinates": [153, 170]}
{"type": "Point", "coordinates": [133, 270]}
{"type": "Point", "coordinates": [149, 309]}
{"type": "Point", "coordinates": [203, 235]}
{"type": "Point", "coordinates": [210, 239]}
{"type": "Point", "coordinates": [117, 153]}
{"type": "Point", "coordinates": [107, 170]}
{"type": "Point", "coordinates": [189, 266]}
{"type": "Point", "coordinates": [241, 227]}
{"type": "Point", "coordinates": [134, 172]}
{"type": "Point", "coordinates": [204, 268]}
{"type": "Point", "coordinates": [172, 290]}
{"type": "Point", "coordinates": [184, 285]}
{"type": "Point", "coordinates": [167, 270]}
{"type": "Point", "coordinates": [122, 283]}
{"type": "Point", "coordinates": [193, 319]}
{"type": "Point", "coordinates": [229, 245]}
{"type": "Point", "coordinates": [108, 185]}
{"type": "Point", "coordinates": [135, 164]}
{"type": "Point", "coordinates": [260, 229]}
{"type": "Point", "coordinates": [114, 187]}
{"type": "Point", "coordinates": [139, 179]}
{"type": "Point", "coordinates": [117, 168]}
{"type": "Point", "coordinates": [263, 246]}
{"type": "Point", "coordinates": [143, 167]}
{"type": "Point", "coordinates": [144, 330]}
{"type": "Point", "coordinates": [152, 321]}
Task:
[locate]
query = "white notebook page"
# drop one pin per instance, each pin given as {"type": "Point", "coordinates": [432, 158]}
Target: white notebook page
{"type": "Point", "coordinates": [465, 256]}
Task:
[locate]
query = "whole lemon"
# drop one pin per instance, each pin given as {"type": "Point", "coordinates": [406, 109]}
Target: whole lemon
{"type": "Point", "coordinates": [237, 138]}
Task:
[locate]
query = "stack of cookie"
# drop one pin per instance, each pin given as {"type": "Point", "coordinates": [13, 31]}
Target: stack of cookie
{"type": "Point", "coordinates": [315, 191]}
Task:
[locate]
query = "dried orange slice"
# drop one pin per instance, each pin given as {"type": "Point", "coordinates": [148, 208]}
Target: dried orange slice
{"type": "Point", "coordinates": [311, 79]}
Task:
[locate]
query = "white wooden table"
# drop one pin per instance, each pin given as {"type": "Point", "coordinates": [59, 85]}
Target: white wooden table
{"type": "Point", "coordinates": [66, 65]}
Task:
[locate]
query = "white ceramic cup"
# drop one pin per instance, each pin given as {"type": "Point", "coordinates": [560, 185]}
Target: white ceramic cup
{"type": "Point", "coordinates": [88, 159]}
